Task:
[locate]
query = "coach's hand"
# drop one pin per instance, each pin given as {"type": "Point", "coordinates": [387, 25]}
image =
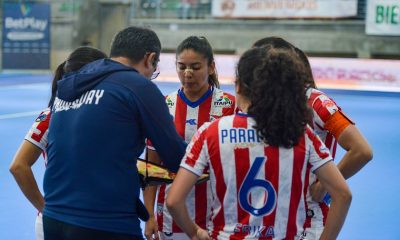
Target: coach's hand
{"type": "Point", "coordinates": [317, 191]}
{"type": "Point", "coordinates": [151, 229]}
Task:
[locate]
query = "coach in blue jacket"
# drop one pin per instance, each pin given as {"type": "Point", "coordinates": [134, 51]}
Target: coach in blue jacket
{"type": "Point", "coordinates": [99, 122]}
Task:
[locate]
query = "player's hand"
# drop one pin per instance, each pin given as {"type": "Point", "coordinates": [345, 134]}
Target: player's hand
{"type": "Point", "coordinates": [317, 191]}
{"type": "Point", "coordinates": [201, 234]}
{"type": "Point", "coordinates": [151, 229]}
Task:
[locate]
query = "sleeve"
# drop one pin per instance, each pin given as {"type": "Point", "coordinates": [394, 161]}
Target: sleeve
{"type": "Point", "coordinates": [149, 144]}
{"type": "Point", "coordinates": [329, 115]}
{"type": "Point", "coordinates": [323, 107]}
{"type": "Point", "coordinates": [196, 158]}
{"type": "Point", "coordinates": [319, 153]}
{"type": "Point", "coordinates": [39, 130]}
{"type": "Point", "coordinates": [159, 127]}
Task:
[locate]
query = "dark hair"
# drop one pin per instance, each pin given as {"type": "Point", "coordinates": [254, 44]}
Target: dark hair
{"type": "Point", "coordinates": [134, 42]}
{"type": "Point", "coordinates": [201, 46]}
{"type": "Point", "coordinates": [76, 60]}
{"type": "Point", "coordinates": [275, 42]}
{"type": "Point", "coordinates": [304, 59]}
{"type": "Point", "coordinates": [273, 80]}
{"type": "Point", "coordinates": [281, 43]}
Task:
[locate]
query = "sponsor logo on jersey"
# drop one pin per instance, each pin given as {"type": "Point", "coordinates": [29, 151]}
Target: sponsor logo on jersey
{"type": "Point", "coordinates": [41, 117]}
{"type": "Point", "coordinates": [328, 103]}
{"type": "Point", "coordinates": [169, 102]}
{"type": "Point", "coordinates": [191, 122]}
{"type": "Point", "coordinates": [223, 101]}
{"type": "Point", "coordinates": [256, 231]}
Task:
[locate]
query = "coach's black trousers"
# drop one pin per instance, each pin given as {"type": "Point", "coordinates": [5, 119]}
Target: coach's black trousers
{"type": "Point", "coordinates": [57, 230]}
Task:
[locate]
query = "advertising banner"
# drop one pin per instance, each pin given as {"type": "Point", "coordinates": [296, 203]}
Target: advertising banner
{"type": "Point", "coordinates": [383, 17]}
{"type": "Point", "coordinates": [284, 8]}
{"type": "Point", "coordinates": [329, 73]}
{"type": "Point", "coordinates": [357, 74]}
{"type": "Point", "coordinates": [26, 36]}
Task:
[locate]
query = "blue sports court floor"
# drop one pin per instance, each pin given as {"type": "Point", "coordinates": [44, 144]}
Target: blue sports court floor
{"type": "Point", "coordinates": [374, 212]}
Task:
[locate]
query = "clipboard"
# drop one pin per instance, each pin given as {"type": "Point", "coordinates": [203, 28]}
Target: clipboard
{"type": "Point", "coordinates": [152, 174]}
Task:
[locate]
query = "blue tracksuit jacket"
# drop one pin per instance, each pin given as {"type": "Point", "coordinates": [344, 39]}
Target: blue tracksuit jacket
{"type": "Point", "coordinates": [99, 122]}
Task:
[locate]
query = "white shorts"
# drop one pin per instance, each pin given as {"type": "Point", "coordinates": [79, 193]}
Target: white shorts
{"type": "Point", "coordinates": [173, 236]}
{"type": "Point", "coordinates": [39, 227]}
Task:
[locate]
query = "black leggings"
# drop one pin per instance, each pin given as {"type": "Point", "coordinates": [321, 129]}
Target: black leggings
{"type": "Point", "coordinates": [56, 230]}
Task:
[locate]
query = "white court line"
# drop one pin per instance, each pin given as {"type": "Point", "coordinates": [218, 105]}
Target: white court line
{"type": "Point", "coordinates": [23, 86]}
{"type": "Point", "coordinates": [17, 115]}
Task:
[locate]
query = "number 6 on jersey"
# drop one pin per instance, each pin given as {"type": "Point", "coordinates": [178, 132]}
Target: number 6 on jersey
{"type": "Point", "coordinates": [251, 182]}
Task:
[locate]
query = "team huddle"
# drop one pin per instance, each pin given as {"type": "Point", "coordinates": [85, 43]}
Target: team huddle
{"type": "Point", "coordinates": [268, 150]}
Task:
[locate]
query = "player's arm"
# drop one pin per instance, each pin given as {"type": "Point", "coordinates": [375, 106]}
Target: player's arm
{"type": "Point", "coordinates": [149, 197]}
{"type": "Point", "coordinates": [333, 181]}
{"type": "Point", "coordinates": [358, 151]}
{"type": "Point", "coordinates": [176, 204]}
{"type": "Point", "coordinates": [20, 168]}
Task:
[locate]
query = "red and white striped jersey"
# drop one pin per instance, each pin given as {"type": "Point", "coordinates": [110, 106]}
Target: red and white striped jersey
{"type": "Point", "coordinates": [188, 117]}
{"type": "Point", "coordinates": [257, 189]}
{"type": "Point", "coordinates": [37, 135]}
{"type": "Point", "coordinates": [323, 108]}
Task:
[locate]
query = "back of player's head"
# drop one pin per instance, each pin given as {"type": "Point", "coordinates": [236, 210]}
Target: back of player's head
{"type": "Point", "coordinates": [272, 79]}
{"type": "Point", "coordinates": [304, 59]}
{"type": "Point", "coordinates": [275, 42]}
{"type": "Point", "coordinates": [82, 56]}
{"type": "Point", "coordinates": [134, 42]}
{"type": "Point", "coordinates": [75, 61]}
{"type": "Point", "coordinates": [201, 46]}
{"type": "Point", "coordinates": [281, 43]}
